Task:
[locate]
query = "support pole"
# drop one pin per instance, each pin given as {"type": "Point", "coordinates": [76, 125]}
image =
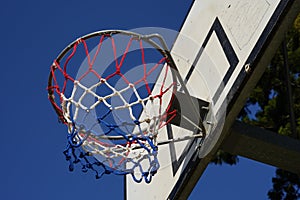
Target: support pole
{"type": "Point", "coordinates": [263, 146]}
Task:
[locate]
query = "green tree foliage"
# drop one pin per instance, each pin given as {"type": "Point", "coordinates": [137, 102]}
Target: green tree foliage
{"type": "Point", "coordinates": [286, 186]}
{"type": "Point", "coordinates": [270, 97]}
{"type": "Point", "coordinates": [224, 157]}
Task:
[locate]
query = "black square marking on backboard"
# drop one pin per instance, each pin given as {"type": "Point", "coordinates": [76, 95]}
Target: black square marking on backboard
{"type": "Point", "coordinates": [232, 60]}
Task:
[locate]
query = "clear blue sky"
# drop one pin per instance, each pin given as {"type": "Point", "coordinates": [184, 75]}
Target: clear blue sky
{"type": "Point", "coordinates": [32, 165]}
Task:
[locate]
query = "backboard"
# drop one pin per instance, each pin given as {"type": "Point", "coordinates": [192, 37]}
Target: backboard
{"type": "Point", "coordinates": [219, 49]}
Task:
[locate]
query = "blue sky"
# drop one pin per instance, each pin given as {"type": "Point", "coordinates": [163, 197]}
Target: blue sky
{"type": "Point", "coordinates": [32, 164]}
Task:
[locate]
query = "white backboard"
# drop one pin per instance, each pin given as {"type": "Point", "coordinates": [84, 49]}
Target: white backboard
{"type": "Point", "coordinates": [215, 52]}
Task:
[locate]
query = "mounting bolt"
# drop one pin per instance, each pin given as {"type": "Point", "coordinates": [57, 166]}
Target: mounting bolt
{"type": "Point", "coordinates": [247, 68]}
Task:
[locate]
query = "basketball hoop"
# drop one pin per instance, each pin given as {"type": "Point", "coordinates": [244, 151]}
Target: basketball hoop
{"type": "Point", "coordinates": [113, 103]}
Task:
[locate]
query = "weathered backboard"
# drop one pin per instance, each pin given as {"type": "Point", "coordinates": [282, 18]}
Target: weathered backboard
{"type": "Point", "coordinates": [216, 52]}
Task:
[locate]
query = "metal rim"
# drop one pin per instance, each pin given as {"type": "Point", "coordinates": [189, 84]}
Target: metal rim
{"type": "Point", "coordinates": [162, 48]}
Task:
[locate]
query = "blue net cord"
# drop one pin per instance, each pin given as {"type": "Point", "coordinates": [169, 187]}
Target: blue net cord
{"type": "Point", "coordinates": [75, 154]}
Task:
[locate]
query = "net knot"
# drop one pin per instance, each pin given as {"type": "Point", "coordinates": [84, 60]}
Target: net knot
{"type": "Point", "coordinates": [137, 122]}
